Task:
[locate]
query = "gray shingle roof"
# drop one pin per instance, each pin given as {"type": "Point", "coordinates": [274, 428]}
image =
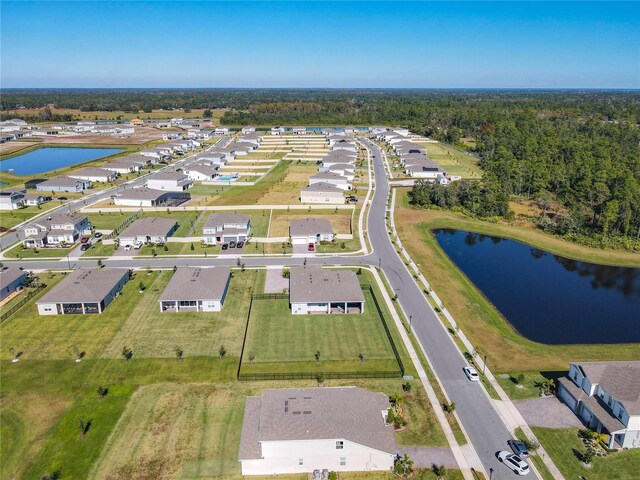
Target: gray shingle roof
{"type": "Point", "coordinates": [310, 226]}
{"type": "Point", "coordinates": [142, 193]}
{"type": "Point", "coordinates": [152, 226]}
{"type": "Point", "coordinates": [62, 182]}
{"type": "Point", "coordinates": [322, 187]}
{"type": "Point", "coordinates": [347, 413]}
{"type": "Point", "coordinates": [328, 176]}
{"type": "Point", "coordinates": [220, 219]}
{"type": "Point", "coordinates": [10, 275]}
{"type": "Point", "coordinates": [620, 379]}
{"type": "Point", "coordinates": [195, 283]}
{"type": "Point", "coordinates": [84, 286]}
{"type": "Point", "coordinates": [312, 283]}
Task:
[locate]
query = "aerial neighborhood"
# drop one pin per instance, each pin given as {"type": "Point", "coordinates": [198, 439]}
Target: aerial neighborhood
{"type": "Point", "coordinates": [267, 289]}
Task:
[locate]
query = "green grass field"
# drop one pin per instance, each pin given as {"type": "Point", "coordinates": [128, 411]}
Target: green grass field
{"type": "Point", "coordinates": [339, 338]}
{"type": "Point", "coordinates": [111, 220]}
{"type": "Point", "coordinates": [563, 444]}
{"type": "Point", "coordinates": [453, 161]}
{"type": "Point", "coordinates": [150, 333]}
{"type": "Point", "coordinates": [19, 252]}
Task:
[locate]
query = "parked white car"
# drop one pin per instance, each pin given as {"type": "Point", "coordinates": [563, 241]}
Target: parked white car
{"type": "Point", "coordinates": [514, 462]}
{"type": "Point", "coordinates": [127, 247]}
{"type": "Point", "coordinates": [138, 245]}
{"type": "Point", "coordinates": [471, 373]}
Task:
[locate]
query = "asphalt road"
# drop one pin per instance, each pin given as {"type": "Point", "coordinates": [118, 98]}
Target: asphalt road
{"type": "Point", "coordinates": [484, 427]}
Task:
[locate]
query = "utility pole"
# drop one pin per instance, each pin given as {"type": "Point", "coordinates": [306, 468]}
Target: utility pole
{"type": "Point", "coordinates": [410, 317]}
{"type": "Point", "coordinates": [484, 364]}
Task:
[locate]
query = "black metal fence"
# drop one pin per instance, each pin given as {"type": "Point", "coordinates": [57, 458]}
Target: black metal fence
{"type": "Point", "coordinates": [33, 291]}
{"type": "Point", "coordinates": [315, 375]}
{"type": "Point", "coordinates": [122, 226]}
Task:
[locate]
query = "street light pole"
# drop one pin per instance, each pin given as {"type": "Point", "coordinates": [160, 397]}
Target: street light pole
{"type": "Point", "coordinates": [484, 364]}
{"type": "Point", "coordinates": [490, 473]}
{"type": "Point", "coordinates": [410, 317]}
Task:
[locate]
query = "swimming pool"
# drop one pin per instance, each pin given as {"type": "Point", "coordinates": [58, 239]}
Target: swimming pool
{"type": "Point", "coordinates": [227, 178]}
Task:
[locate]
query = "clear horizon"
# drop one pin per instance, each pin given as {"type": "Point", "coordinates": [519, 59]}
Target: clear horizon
{"type": "Point", "coordinates": [343, 46]}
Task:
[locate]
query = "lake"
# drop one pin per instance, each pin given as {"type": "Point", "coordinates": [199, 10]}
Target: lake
{"type": "Point", "coordinates": [548, 298]}
{"type": "Point", "coordinates": [47, 159]}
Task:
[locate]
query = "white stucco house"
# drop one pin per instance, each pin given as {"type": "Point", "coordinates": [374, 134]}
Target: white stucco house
{"type": "Point", "coordinates": [172, 135]}
{"type": "Point", "coordinates": [148, 230]}
{"type": "Point", "coordinates": [310, 230]}
{"type": "Point", "coordinates": [59, 228]}
{"type": "Point", "coordinates": [170, 181]}
{"type": "Point", "coordinates": [84, 292]}
{"type": "Point", "coordinates": [11, 279]}
{"type": "Point", "coordinates": [322, 192]}
{"type": "Point", "coordinates": [200, 172]}
{"type": "Point", "coordinates": [331, 178]}
{"type": "Point", "coordinates": [221, 131]}
{"type": "Point", "coordinates": [299, 130]}
{"type": "Point", "coordinates": [606, 397]}
{"type": "Point", "coordinates": [277, 130]}
{"type": "Point", "coordinates": [226, 227]}
{"type": "Point", "coordinates": [12, 198]}
{"type": "Point", "coordinates": [291, 431]}
{"type": "Point", "coordinates": [313, 289]}
{"type": "Point", "coordinates": [195, 289]}
{"type": "Point", "coordinates": [95, 174]}
{"type": "Point", "coordinates": [149, 197]}
{"type": "Point", "coordinates": [248, 129]}
{"type": "Point", "coordinates": [64, 184]}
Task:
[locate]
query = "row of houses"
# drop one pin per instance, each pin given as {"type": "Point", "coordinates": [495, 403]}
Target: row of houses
{"type": "Point", "coordinates": [55, 230]}
{"type": "Point", "coordinates": [336, 171]}
{"type": "Point", "coordinates": [412, 156]}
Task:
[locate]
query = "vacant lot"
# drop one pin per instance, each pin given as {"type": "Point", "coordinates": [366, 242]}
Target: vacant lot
{"type": "Point", "coordinates": [188, 431]}
{"type": "Point", "coordinates": [150, 333]}
{"type": "Point", "coordinates": [340, 220]}
{"type": "Point", "coordinates": [281, 342]}
{"type": "Point", "coordinates": [453, 161]}
{"type": "Point", "coordinates": [287, 191]}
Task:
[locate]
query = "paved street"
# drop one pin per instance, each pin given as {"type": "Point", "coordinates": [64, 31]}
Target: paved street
{"type": "Point", "coordinates": [487, 432]}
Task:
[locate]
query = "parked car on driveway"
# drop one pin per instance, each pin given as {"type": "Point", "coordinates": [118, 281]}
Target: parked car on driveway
{"type": "Point", "coordinates": [513, 462]}
{"type": "Point", "coordinates": [138, 245]}
{"type": "Point", "coordinates": [471, 373]}
{"type": "Point", "coordinates": [98, 234]}
{"type": "Point", "coordinates": [240, 244]}
{"type": "Point", "coordinates": [84, 239]}
{"type": "Point", "coordinates": [232, 244]}
{"type": "Point", "coordinates": [127, 247]}
{"type": "Point", "coordinates": [519, 448]}
{"type": "Point", "coordinates": [85, 246]}
{"type": "Point", "coordinates": [311, 247]}
{"type": "Point", "coordinates": [225, 246]}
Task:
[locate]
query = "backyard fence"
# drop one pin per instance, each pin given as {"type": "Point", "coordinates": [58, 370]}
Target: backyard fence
{"type": "Point", "coordinates": [124, 224]}
{"type": "Point", "coordinates": [259, 376]}
{"type": "Point", "coordinates": [33, 291]}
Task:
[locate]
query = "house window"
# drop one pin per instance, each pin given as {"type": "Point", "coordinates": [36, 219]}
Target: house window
{"type": "Point", "coordinates": [301, 461]}
{"type": "Point", "coordinates": [339, 445]}
{"type": "Point", "coordinates": [620, 414]}
{"type": "Point", "coordinates": [609, 401]}
{"type": "Point", "coordinates": [343, 461]}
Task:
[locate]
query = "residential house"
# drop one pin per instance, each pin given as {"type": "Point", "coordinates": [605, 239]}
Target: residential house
{"type": "Point", "coordinates": [310, 230]}
{"type": "Point", "coordinates": [606, 397]}
{"type": "Point", "coordinates": [350, 130]}
{"type": "Point", "coordinates": [122, 167]}
{"type": "Point", "coordinates": [299, 130]}
{"type": "Point", "coordinates": [300, 430]}
{"type": "Point", "coordinates": [34, 199]}
{"type": "Point", "coordinates": [57, 229]}
{"type": "Point", "coordinates": [177, 121]}
{"type": "Point", "coordinates": [346, 170]}
{"type": "Point", "coordinates": [322, 192]}
{"type": "Point", "coordinates": [11, 279]}
{"type": "Point", "coordinates": [242, 148]}
{"type": "Point", "coordinates": [221, 131]}
{"type": "Point", "coordinates": [199, 172]}
{"type": "Point", "coordinates": [345, 144]}
{"type": "Point", "coordinates": [172, 135]}
{"type": "Point", "coordinates": [277, 130]}
{"type": "Point", "coordinates": [12, 198]}
{"type": "Point", "coordinates": [136, 122]}
{"type": "Point", "coordinates": [170, 181]}
{"type": "Point", "coordinates": [375, 130]}
{"type": "Point", "coordinates": [313, 289]}
{"type": "Point", "coordinates": [195, 289]}
{"type": "Point", "coordinates": [331, 178]}
{"type": "Point", "coordinates": [148, 230]}
{"type": "Point", "coordinates": [83, 292]}
{"type": "Point", "coordinates": [246, 130]}
{"type": "Point", "coordinates": [63, 184]}
{"type": "Point", "coordinates": [226, 227]}
{"type": "Point", "coordinates": [95, 174]}
{"type": "Point", "coordinates": [148, 197]}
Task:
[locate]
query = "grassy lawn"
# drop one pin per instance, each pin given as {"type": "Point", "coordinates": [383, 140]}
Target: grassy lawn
{"type": "Point", "coordinates": [25, 420]}
{"type": "Point", "coordinates": [340, 220]}
{"type": "Point", "coordinates": [527, 388]}
{"type": "Point", "coordinates": [111, 220]}
{"type": "Point", "coordinates": [19, 252]}
{"type": "Point", "coordinates": [259, 221]}
{"type": "Point", "coordinates": [349, 245]}
{"type": "Point", "coordinates": [562, 445]}
{"type": "Point", "coordinates": [63, 336]}
{"type": "Point", "coordinates": [10, 219]}
{"type": "Point", "coordinates": [150, 333]}
{"type": "Point", "coordinates": [481, 322]}
{"type": "Point", "coordinates": [178, 248]}
{"type": "Point", "coordinates": [453, 161]}
{"type": "Point", "coordinates": [287, 190]}
{"type": "Point", "coordinates": [68, 451]}
{"type": "Point", "coordinates": [180, 431]}
{"type": "Point", "coordinates": [339, 338]}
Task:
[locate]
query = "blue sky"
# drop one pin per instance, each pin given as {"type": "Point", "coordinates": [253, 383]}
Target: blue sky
{"type": "Point", "coordinates": [334, 44]}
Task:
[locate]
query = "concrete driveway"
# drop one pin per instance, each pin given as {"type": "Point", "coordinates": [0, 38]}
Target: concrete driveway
{"type": "Point", "coordinates": [302, 248]}
{"type": "Point", "coordinates": [547, 412]}
{"type": "Point", "coordinates": [275, 282]}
